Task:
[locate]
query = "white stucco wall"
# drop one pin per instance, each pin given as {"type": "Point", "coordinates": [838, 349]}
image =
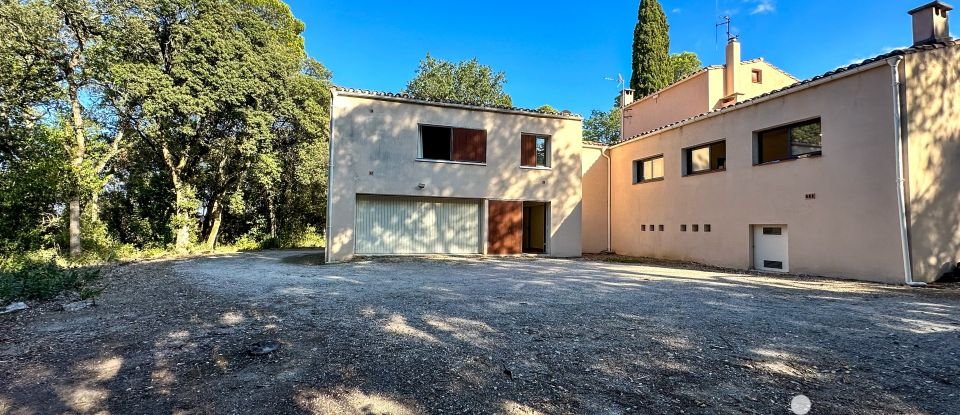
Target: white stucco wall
{"type": "Point", "coordinates": [374, 149]}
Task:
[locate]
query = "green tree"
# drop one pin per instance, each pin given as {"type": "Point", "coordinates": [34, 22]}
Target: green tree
{"type": "Point", "coordinates": [652, 70]}
{"type": "Point", "coordinates": [203, 98]}
{"type": "Point", "coordinates": [56, 80]}
{"type": "Point", "coordinates": [602, 126]}
{"type": "Point", "coordinates": [467, 81]}
{"type": "Point", "coordinates": [547, 108]}
{"type": "Point", "coordinates": [684, 64]}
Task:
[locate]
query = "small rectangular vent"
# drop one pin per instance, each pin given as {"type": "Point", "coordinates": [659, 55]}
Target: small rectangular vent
{"type": "Point", "coordinates": [772, 264]}
{"type": "Point", "coordinates": [772, 231]}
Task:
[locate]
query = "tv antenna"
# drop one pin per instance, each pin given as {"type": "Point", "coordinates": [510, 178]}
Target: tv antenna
{"type": "Point", "coordinates": [725, 21]}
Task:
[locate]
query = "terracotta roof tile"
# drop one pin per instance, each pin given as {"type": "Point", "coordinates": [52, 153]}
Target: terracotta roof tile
{"type": "Point", "coordinates": [413, 98]}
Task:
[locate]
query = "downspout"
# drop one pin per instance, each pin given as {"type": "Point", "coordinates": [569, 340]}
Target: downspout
{"type": "Point", "coordinates": [330, 155]}
{"type": "Point", "coordinates": [901, 182]}
{"type": "Point", "coordinates": [605, 153]}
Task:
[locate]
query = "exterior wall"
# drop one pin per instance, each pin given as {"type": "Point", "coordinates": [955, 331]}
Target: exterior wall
{"type": "Point", "coordinates": [773, 79]}
{"type": "Point", "coordinates": [932, 95]}
{"type": "Point", "coordinates": [374, 147]}
{"type": "Point", "coordinates": [698, 94]}
{"type": "Point", "coordinates": [594, 233]}
{"type": "Point", "coordinates": [685, 99]}
{"type": "Point", "coordinates": [849, 230]}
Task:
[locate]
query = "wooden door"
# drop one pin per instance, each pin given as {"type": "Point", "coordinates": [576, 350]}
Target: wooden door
{"type": "Point", "coordinates": [504, 227]}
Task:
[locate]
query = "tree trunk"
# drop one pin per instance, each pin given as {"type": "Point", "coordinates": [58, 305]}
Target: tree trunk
{"type": "Point", "coordinates": [75, 248]}
{"type": "Point", "coordinates": [273, 217]}
{"type": "Point", "coordinates": [216, 217]}
{"type": "Point", "coordinates": [181, 215]}
{"type": "Point", "coordinates": [77, 151]}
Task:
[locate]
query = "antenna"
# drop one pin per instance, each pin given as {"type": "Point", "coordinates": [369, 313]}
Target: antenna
{"type": "Point", "coordinates": [725, 21]}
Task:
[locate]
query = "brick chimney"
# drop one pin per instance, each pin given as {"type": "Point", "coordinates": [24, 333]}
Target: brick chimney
{"type": "Point", "coordinates": [930, 23]}
{"type": "Point", "coordinates": [731, 70]}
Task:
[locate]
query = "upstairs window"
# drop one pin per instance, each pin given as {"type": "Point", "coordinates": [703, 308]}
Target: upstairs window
{"type": "Point", "coordinates": [453, 144]}
{"type": "Point", "coordinates": [757, 76]}
{"type": "Point", "coordinates": [534, 150]}
{"type": "Point", "coordinates": [790, 142]}
{"type": "Point", "coordinates": [706, 158]}
{"type": "Point", "coordinates": [648, 169]}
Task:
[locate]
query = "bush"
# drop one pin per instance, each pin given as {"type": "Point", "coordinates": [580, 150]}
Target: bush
{"type": "Point", "coordinates": [41, 279]}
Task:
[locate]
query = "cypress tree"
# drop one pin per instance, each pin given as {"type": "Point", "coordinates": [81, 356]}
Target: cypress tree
{"type": "Point", "coordinates": [652, 69]}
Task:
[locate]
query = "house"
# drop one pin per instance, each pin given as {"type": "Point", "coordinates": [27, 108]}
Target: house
{"type": "Point", "coordinates": [854, 173]}
{"type": "Point", "coordinates": [417, 176]}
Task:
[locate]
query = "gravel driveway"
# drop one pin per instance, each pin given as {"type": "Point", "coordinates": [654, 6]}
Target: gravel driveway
{"type": "Point", "coordinates": [508, 336]}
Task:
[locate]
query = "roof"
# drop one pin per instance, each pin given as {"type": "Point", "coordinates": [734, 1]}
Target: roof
{"type": "Point", "coordinates": [790, 88]}
{"type": "Point", "coordinates": [452, 103]}
{"type": "Point", "coordinates": [936, 3]}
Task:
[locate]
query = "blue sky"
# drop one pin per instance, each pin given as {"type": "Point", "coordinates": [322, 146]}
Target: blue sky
{"type": "Point", "coordinates": [559, 53]}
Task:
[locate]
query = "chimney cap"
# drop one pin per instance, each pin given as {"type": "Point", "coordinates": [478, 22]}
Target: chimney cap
{"type": "Point", "coordinates": [936, 4]}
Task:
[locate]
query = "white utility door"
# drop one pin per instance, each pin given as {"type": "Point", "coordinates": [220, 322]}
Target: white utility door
{"type": "Point", "coordinates": [770, 248]}
{"type": "Point", "coordinates": [397, 226]}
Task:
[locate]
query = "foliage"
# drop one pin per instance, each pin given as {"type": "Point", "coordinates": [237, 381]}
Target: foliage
{"type": "Point", "coordinates": [167, 123]}
{"type": "Point", "coordinates": [602, 126]}
{"type": "Point", "coordinates": [32, 278]}
{"type": "Point", "coordinates": [684, 64]}
{"type": "Point", "coordinates": [467, 81]}
{"type": "Point", "coordinates": [547, 108]}
{"type": "Point", "coordinates": [652, 68]}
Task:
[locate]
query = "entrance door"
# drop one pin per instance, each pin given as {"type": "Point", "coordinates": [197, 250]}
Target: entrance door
{"type": "Point", "coordinates": [535, 227]}
{"type": "Point", "coordinates": [504, 227]}
{"type": "Point", "coordinates": [770, 248]}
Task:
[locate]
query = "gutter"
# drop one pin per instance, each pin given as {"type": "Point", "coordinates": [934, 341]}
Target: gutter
{"type": "Point", "coordinates": [785, 91]}
{"type": "Point", "coordinates": [898, 137]}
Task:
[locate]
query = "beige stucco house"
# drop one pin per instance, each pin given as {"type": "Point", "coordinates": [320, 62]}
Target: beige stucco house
{"type": "Point", "coordinates": [854, 173]}
{"type": "Point", "coordinates": [415, 176]}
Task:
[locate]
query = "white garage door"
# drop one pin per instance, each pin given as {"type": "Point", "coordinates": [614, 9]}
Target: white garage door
{"type": "Point", "coordinates": [390, 225]}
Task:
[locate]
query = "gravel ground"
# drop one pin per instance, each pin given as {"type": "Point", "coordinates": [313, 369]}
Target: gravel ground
{"type": "Point", "coordinates": [518, 336]}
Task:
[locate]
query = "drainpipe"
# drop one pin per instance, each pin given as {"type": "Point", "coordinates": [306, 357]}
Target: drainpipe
{"type": "Point", "coordinates": [605, 153]}
{"type": "Point", "coordinates": [901, 183]}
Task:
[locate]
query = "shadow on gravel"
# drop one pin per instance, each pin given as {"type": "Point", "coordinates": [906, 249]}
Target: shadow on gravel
{"type": "Point", "coordinates": [482, 336]}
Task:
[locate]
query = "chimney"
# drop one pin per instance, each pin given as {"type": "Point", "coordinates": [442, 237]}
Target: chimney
{"type": "Point", "coordinates": [626, 97]}
{"type": "Point", "coordinates": [930, 23]}
{"type": "Point", "coordinates": [732, 68]}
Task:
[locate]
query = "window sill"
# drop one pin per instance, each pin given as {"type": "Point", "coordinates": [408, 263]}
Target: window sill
{"type": "Point", "coordinates": [801, 157]}
{"type": "Point", "coordinates": [469, 163]}
{"type": "Point", "coordinates": [700, 173]}
{"type": "Point", "coordinates": [536, 167]}
{"type": "Point", "coordinates": [658, 179]}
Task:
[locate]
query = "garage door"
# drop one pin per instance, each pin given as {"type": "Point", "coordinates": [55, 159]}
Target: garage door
{"type": "Point", "coordinates": [390, 225]}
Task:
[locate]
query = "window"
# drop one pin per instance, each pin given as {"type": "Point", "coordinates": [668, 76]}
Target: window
{"type": "Point", "coordinates": [757, 76]}
{"type": "Point", "coordinates": [648, 169]}
{"type": "Point", "coordinates": [534, 150]}
{"type": "Point", "coordinates": [790, 142]}
{"type": "Point", "coordinates": [453, 144]}
{"type": "Point", "coordinates": [706, 158]}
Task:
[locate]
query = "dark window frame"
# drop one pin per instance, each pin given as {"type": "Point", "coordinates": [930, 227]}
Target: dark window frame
{"type": "Point", "coordinates": [638, 169]}
{"type": "Point", "coordinates": [547, 151]}
{"type": "Point", "coordinates": [758, 142]}
{"type": "Point", "coordinates": [451, 150]}
{"type": "Point", "coordinates": [688, 159]}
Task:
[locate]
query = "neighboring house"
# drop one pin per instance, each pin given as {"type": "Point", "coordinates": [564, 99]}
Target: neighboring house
{"type": "Point", "coordinates": [414, 176]}
{"type": "Point", "coordinates": [708, 89]}
{"type": "Point", "coordinates": [854, 173]}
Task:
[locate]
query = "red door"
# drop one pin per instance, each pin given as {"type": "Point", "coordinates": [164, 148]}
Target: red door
{"type": "Point", "coordinates": [504, 227]}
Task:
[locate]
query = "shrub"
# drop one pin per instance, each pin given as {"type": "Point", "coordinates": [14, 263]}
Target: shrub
{"type": "Point", "coordinates": [26, 278]}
